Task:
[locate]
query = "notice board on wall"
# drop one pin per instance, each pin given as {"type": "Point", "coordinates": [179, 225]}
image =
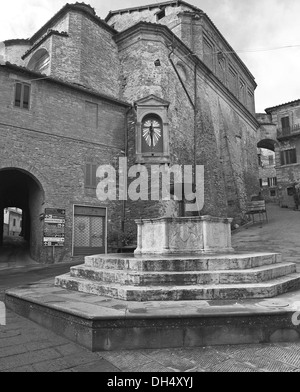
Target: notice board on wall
{"type": "Point", "coordinates": [54, 227]}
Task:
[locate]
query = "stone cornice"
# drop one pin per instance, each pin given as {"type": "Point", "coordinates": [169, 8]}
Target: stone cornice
{"type": "Point", "coordinates": [165, 33]}
{"type": "Point", "coordinates": [225, 43]}
{"type": "Point", "coordinates": [144, 101]}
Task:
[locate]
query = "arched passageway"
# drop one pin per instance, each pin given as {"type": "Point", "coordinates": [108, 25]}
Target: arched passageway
{"type": "Point", "coordinates": [21, 190]}
{"type": "Point", "coordinates": [267, 169]}
{"type": "Point", "coordinates": [267, 144]}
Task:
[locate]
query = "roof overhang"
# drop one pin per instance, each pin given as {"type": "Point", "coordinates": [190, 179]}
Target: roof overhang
{"type": "Point", "coordinates": [78, 7]}
{"type": "Point", "coordinates": [151, 6]}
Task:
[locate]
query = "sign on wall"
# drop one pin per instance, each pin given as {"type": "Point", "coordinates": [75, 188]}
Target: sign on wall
{"type": "Point", "coordinates": [54, 227]}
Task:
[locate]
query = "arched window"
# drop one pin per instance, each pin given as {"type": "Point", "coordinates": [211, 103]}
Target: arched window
{"type": "Point", "coordinates": [152, 130]}
{"type": "Point", "coordinates": [40, 62]}
{"type": "Point", "coordinates": [152, 134]}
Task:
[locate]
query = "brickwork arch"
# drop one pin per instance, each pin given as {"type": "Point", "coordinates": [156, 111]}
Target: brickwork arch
{"type": "Point", "coordinates": [268, 144]}
{"type": "Point", "coordinates": [27, 169]}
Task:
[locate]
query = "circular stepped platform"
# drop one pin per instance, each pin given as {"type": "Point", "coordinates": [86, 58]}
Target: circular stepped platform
{"type": "Point", "coordinates": [188, 278]}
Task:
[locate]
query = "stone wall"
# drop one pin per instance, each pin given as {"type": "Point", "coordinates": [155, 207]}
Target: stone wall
{"type": "Point", "coordinates": [99, 65]}
{"type": "Point", "coordinates": [87, 55]}
{"type": "Point", "coordinates": [14, 50]}
{"type": "Point", "coordinates": [196, 30]}
{"type": "Point", "coordinates": [225, 136]}
{"type": "Point", "coordinates": [288, 139]}
{"type": "Point", "coordinates": [52, 142]}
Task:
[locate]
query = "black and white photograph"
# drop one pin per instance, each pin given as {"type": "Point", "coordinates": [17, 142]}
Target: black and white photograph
{"type": "Point", "coordinates": [150, 189]}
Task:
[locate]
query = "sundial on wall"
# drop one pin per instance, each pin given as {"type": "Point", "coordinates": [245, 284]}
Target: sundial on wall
{"type": "Point", "coordinates": [152, 132]}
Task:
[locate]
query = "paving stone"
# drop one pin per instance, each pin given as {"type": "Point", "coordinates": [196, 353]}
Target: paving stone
{"type": "Point", "coordinates": [287, 356]}
{"type": "Point", "coordinates": [11, 351]}
{"type": "Point", "coordinates": [126, 359]}
{"type": "Point", "coordinates": [12, 341]}
{"type": "Point", "coordinates": [69, 349]}
{"type": "Point", "coordinates": [6, 334]}
{"type": "Point", "coordinates": [22, 369]}
{"type": "Point", "coordinates": [173, 360]}
{"type": "Point", "coordinates": [148, 367]}
{"type": "Point", "coordinates": [270, 364]}
{"type": "Point", "coordinates": [28, 359]}
{"type": "Point", "coordinates": [199, 357]}
{"type": "Point", "coordinates": [40, 345]}
{"type": "Point", "coordinates": [231, 366]}
{"type": "Point", "coordinates": [52, 366]}
{"type": "Point", "coordinates": [79, 359]}
{"type": "Point", "coordinates": [100, 366]}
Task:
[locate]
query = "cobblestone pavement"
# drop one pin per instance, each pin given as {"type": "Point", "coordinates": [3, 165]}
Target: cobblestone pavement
{"type": "Point", "coordinates": [280, 235]}
{"type": "Point", "coordinates": [26, 347]}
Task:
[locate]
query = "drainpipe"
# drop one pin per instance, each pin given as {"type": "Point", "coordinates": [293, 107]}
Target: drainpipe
{"type": "Point", "coordinates": [193, 104]}
{"type": "Point", "coordinates": [126, 156]}
{"type": "Point", "coordinates": [195, 122]}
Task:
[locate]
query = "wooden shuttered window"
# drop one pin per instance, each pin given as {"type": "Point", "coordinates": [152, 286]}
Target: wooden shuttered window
{"type": "Point", "coordinates": [272, 182]}
{"type": "Point", "coordinates": [285, 124]}
{"type": "Point", "coordinates": [90, 175]}
{"type": "Point", "coordinates": [22, 95]}
{"type": "Point", "coordinates": [288, 157]}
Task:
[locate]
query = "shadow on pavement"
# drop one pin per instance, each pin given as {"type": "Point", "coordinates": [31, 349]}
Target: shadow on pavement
{"type": "Point", "coordinates": [15, 253]}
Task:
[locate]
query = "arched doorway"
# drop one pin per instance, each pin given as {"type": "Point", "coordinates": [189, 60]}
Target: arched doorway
{"type": "Point", "coordinates": [267, 169]}
{"type": "Point", "coordinates": [21, 191]}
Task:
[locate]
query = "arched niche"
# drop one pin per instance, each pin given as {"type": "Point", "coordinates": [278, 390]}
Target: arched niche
{"type": "Point", "coordinates": [40, 62]}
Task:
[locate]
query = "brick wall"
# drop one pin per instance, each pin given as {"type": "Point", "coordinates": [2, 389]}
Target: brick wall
{"type": "Point", "coordinates": [52, 143]}
{"type": "Point", "coordinates": [100, 65]}
{"type": "Point", "coordinates": [88, 56]}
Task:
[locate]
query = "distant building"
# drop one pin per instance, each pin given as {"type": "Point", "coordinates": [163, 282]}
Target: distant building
{"type": "Point", "coordinates": [6, 223]}
{"type": "Point", "coordinates": [268, 174]}
{"type": "Point", "coordinates": [12, 222]}
{"type": "Point", "coordinates": [285, 125]}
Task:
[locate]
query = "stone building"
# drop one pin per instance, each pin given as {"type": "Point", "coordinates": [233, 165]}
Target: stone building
{"type": "Point", "coordinates": [268, 174]}
{"type": "Point", "coordinates": [285, 120]}
{"type": "Point", "coordinates": [156, 84]}
{"type": "Point", "coordinates": [12, 222]}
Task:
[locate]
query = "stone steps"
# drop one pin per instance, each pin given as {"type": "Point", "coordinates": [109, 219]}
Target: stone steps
{"type": "Point", "coordinates": [180, 278]}
{"type": "Point", "coordinates": [268, 289]}
{"type": "Point", "coordinates": [183, 263]}
{"type": "Point", "coordinates": [145, 278]}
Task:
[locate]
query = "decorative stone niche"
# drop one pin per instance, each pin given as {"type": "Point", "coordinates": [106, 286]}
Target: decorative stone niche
{"type": "Point", "coordinates": [152, 131]}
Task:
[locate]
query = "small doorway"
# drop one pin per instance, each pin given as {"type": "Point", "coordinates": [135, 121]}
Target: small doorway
{"type": "Point", "coordinates": [89, 231]}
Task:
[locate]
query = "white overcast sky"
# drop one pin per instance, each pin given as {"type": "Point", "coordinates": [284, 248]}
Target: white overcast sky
{"type": "Point", "coordinates": [248, 25]}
